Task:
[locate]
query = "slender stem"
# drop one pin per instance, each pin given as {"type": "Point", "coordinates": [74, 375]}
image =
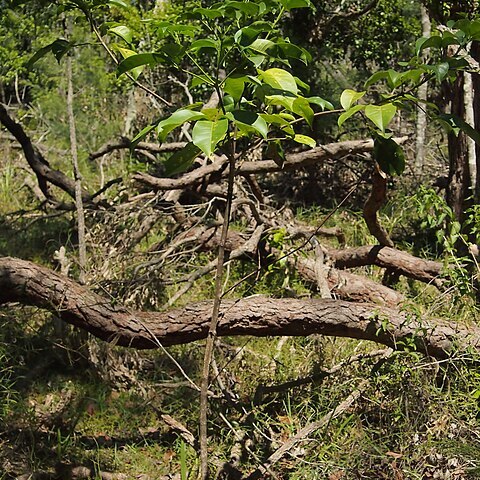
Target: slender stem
{"type": "Point", "coordinates": [212, 331]}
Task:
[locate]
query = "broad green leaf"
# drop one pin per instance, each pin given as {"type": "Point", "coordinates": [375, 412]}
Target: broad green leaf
{"type": "Point", "coordinates": [234, 86]}
{"type": "Point", "coordinates": [381, 115]}
{"type": "Point", "coordinates": [281, 100]}
{"type": "Point", "coordinates": [276, 119]}
{"type": "Point", "coordinates": [261, 45]}
{"type": "Point", "coordinates": [376, 77]}
{"type": "Point", "coordinates": [123, 32]}
{"type": "Point", "coordinates": [137, 60]}
{"type": "Point", "coordinates": [389, 155]}
{"type": "Point", "coordinates": [301, 106]}
{"type": "Point", "coordinates": [247, 8]}
{"type": "Point", "coordinates": [351, 111]}
{"type": "Point", "coordinates": [198, 45]}
{"type": "Point", "coordinates": [322, 103]}
{"type": "Point", "coordinates": [182, 160]}
{"type": "Point", "coordinates": [257, 60]}
{"type": "Point", "coordinates": [141, 135]}
{"type": "Point", "coordinates": [305, 140]}
{"type": "Point", "coordinates": [175, 120]}
{"type": "Point", "coordinates": [289, 4]}
{"type": "Point", "coordinates": [434, 41]}
{"type": "Point", "coordinates": [294, 51]}
{"type": "Point", "coordinates": [253, 120]}
{"type": "Point", "coordinates": [125, 53]}
{"type": "Point", "coordinates": [211, 13]}
{"type": "Point", "coordinates": [349, 97]}
{"type": "Point", "coordinates": [279, 79]}
{"type": "Point", "coordinates": [207, 134]}
{"type": "Point", "coordinates": [38, 55]}
{"type": "Point", "coordinates": [302, 84]}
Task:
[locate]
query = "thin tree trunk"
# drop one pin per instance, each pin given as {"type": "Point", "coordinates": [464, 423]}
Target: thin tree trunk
{"type": "Point", "coordinates": [421, 124]}
{"type": "Point", "coordinates": [82, 250]}
{"type": "Point", "coordinates": [470, 119]}
{"type": "Point", "coordinates": [458, 176]}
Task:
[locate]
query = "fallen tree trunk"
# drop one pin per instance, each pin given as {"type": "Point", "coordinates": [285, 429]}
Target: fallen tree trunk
{"type": "Point", "coordinates": [426, 271]}
{"type": "Point", "coordinates": [27, 283]}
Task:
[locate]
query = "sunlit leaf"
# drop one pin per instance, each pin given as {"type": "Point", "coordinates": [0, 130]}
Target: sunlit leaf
{"type": "Point", "coordinates": [381, 115]}
{"type": "Point", "coordinates": [175, 120]}
{"type": "Point", "coordinates": [123, 32]}
{"type": "Point", "coordinates": [279, 79]}
{"type": "Point", "coordinates": [207, 134]}
{"type": "Point", "coordinates": [305, 140]}
{"type": "Point", "coordinates": [351, 111]}
{"type": "Point", "coordinates": [349, 97]}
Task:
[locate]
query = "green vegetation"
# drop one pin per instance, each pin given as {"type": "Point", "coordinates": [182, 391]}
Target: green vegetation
{"type": "Point", "coordinates": [164, 91]}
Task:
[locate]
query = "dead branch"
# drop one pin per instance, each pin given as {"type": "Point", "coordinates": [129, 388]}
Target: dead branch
{"type": "Point", "coordinates": [44, 172]}
{"type": "Point", "coordinates": [293, 161]}
{"type": "Point", "coordinates": [374, 202]}
{"type": "Point", "coordinates": [30, 284]}
{"type": "Point", "coordinates": [124, 143]}
{"type": "Point", "coordinates": [249, 246]}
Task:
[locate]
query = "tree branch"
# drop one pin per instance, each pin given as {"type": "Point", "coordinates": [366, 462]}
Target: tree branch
{"type": "Point", "coordinates": [27, 283]}
{"type": "Point", "coordinates": [44, 172]}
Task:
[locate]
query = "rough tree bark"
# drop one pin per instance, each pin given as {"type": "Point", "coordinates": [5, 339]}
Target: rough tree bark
{"type": "Point", "coordinates": [27, 283]}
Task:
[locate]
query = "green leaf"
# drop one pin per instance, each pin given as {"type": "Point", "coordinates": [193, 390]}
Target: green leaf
{"type": "Point", "coordinates": [123, 32]}
{"type": "Point", "coordinates": [458, 123]}
{"type": "Point", "coordinates": [211, 13]}
{"type": "Point", "coordinates": [247, 8]}
{"type": "Point", "coordinates": [125, 53]}
{"type": "Point", "coordinates": [389, 155]}
{"type": "Point", "coordinates": [175, 120]}
{"type": "Point", "coordinates": [282, 100]}
{"type": "Point", "coordinates": [289, 4]}
{"type": "Point", "coordinates": [381, 115]}
{"type": "Point", "coordinates": [440, 70]}
{"type": "Point", "coordinates": [137, 60]}
{"type": "Point", "coordinates": [301, 106]}
{"type": "Point", "coordinates": [434, 41]}
{"type": "Point", "coordinates": [234, 86]}
{"type": "Point", "coordinates": [305, 140]}
{"type": "Point", "coordinates": [279, 79]}
{"type": "Point", "coordinates": [351, 111]}
{"type": "Point", "coordinates": [207, 134]}
{"type": "Point", "coordinates": [38, 55]}
{"type": "Point", "coordinates": [261, 45]}
{"type": "Point", "coordinates": [182, 160]}
{"type": "Point", "coordinates": [294, 51]}
{"type": "Point", "coordinates": [118, 3]}
{"type": "Point", "coordinates": [203, 43]}
{"type": "Point", "coordinates": [251, 119]}
{"type": "Point", "coordinates": [141, 135]}
{"type": "Point", "coordinates": [376, 77]}
{"type": "Point", "coordinates": [349, 97]}
{"type": "Point", "coordinates": [322, 103]}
